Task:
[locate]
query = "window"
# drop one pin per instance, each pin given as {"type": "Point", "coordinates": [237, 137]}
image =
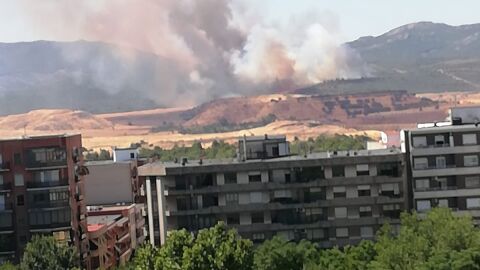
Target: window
{"type": "Point", "coordinates": [423, 205]}
{"type": "Point", "coordinates": [47, 176]}
{"type": "Point", "coordinates": [364, 190]}
{"type": "Point", "coordinates": [366, 231]}
{"type": "Point", "coordinates": [20, 200]}
{"type": "Point", "coordinates": [288, 178]}
{"type": "Point", "coordinates": [443, 203]}
{"type": "Point", "coordinates": [473, 203]}
{"type": "Point", "coordinates": [420, 163]}
{"type": "Point", "coordinates": [389, 190]}
{"type": "Point", "coordinates": [472, 181]}
{"type": "Point", "coordinates": [388, 169]}
{"type": "Point", "coordinates": [362, 169]}
{"type": "Point", "coordinates": [469, 139]}
{"type": "Point", "coordinates": [339, 192]}
{"type": "Point", "coordinates": [132, 155]}
{"type": "Point", "coordinates": [340, 212]}
{"type": "Point", "coordinates": [17, 158]}
{"type": "Point", "coordinates": [391, 210]}
{"type": "Point", "coordinates": [419, 141]}
{"type": "Point", "coordinates": [255, 197]}
{"type": "Point", "coordinates": [230, 178]}
{"type": "Point", "coordinates": [341, 232]}
{"type": "Point", "coordinates": [257, 217]}
{"type": "Point", "coordinates": [255, 178]}
{"type": "Point", "coordinates": [338, 171]}
{"type": "Point", "coordinates": [440, 162]}
{"type": "Point", "coordinates": [233, 219]}
{"type": "Point", "coordinates": [422, 184]}
{"type": "Point", "coordinates": [315, 234]}
{"type": "Point", "coordinates": [18, 180]}
{"type": "Point", "coordinates": [439, 140]}
{"type": "Point", "coordinates": [231, 198]}
{"type": "Point", "coordinates": [365, 211]}
{"type": "Point", "coordinates": [470, 161]}
{"type": "Point", "coordinates": [1, 179]}
{"type": "Point", "coordinates": [257, 237]}
{"type": "Point", "coordinates": [2, 202]}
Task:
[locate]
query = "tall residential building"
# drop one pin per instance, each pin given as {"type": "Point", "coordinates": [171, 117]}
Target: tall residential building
{"type": "Point", "coordinates": [42, 192]}
{"type": "Point", "coordinates": [334, 198]}
{"type": "Point", "coordinates": [443, 160]}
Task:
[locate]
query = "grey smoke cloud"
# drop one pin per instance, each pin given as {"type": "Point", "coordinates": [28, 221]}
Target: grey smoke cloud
{"type": "Point", "coordinates": [203, 51]}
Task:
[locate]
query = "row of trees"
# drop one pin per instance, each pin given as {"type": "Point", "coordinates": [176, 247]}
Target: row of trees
{"type": "Point", "coordinates": [439, 241]}
{"type": "Point", "coordinates": [222, 150]}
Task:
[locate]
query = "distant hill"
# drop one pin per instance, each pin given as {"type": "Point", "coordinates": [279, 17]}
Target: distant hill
{"type": "Point", "coordinates": [418, 57]}
{"type": "Point", "coordinates": [80, 75]}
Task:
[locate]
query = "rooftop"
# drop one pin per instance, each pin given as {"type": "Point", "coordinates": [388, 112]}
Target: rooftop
{"type": "Point", "coordinates": [106, 162]}
{"type": "Point", "coordinates": [311, 156]}
{"type": "Point", "coordinates": [39, 137]}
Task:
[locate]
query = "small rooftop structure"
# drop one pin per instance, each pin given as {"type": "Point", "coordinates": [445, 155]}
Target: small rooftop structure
{"type": "Point", "coordinates": [262, 147]}
{"type": "Point", "coordinates": [125, 154]}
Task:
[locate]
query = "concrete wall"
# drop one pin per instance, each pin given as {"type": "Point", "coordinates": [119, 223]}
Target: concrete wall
{"type": "Point", "coordinates": [108, 184]}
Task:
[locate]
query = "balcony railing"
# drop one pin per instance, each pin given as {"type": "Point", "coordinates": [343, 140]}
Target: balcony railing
{"type": "Point", "coordinates": [50, 157]}
{"type": "Point", "coordinates": [6, 220]}
{"type": "Point", "coordinates": [448, 166]}
{"type": "Point", "coordinates": [6, 207]}
{"type": "Point", "coordinates": [50, 225]}
{"type": "Point", "coordinates": [440, 145]}
{"type": "Point", "coordinates": [5, 186]}
{"type": "Point", "coordinates": [4, 166]}
{"type": "Point", "coordinates": [38, 184]}
{"type": "Point", "coordinates": [48, 204]}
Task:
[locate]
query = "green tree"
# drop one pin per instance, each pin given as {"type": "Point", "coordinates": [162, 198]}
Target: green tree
{"type": "Point", "coordinates": [8, 266]}
{"type": "Point", "coordinates": [438, 241]}
{"type": "Point", "coordinates": [145, 257]}
{"type": "Point", "coordinates": [172, 253]}
{"type": "Point", "coordinates": [218, 248]}
{"type": "Point", "coordinates": [279, 254]}
{"type": "Point", "coordinates": [43, 252]}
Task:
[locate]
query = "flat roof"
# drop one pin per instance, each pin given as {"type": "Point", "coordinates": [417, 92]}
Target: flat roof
{"type": "Point", "coordinates": [103, 219]}
{"type": "Point", "coordinates": [106, 162]}
{"type": "Point", "coordinates": [39, 137]}
{"type": "Point", "coordinates": [152, 168]}
{"type": "Point", "coordinates": [463, 127]}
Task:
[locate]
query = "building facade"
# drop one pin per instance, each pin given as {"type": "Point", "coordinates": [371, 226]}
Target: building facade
{"type": "Point", "coordinates": [443, 160]}
{"type": "Point", "coordinates": [114, 233]}
{"type": "Point", "coordinates": [42, 192]}
{"type": "Point", "coordinates": [333, 198]}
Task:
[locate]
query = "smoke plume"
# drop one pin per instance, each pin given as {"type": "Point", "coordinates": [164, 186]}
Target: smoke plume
{"type": "Point", "coordinates": [203, 51]}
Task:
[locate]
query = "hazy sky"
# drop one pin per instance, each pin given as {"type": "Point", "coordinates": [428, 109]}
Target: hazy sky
{"type": "Point", "coordinates": [353, 18]}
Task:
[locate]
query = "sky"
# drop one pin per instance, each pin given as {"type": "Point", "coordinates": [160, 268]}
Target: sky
{"type": "Point", "coordinates": [352, 18]}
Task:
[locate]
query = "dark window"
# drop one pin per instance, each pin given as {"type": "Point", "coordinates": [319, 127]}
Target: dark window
{"type": "Point", "coordinates": [340, 193]}
{"type": "Point", "coordinates": [17, 158]}
{"type": "Point", "coordinates": [257, 217]}
{"type": "Point", "coordinates": [365, 211]}
{"type": "Point", "coordinates": [20, 200]}
{"type": "Point", "coordinates": [230, 178]}
{"type": "Point", "coordinates": [388, 169]}
{"type": "Point", "coordinates": [359, 173]}
{"type": "Point", "coordinates": [255, 178]}
{"type": "Point", "coordinates": [364, 193]}
{"type": "Point", "coordinates": [288, 178]}
{"type": "Point", "coordinates": [338, 171]}
{"type": "Point", "coordinates": [233, 219]}
{"type": "Point", "coordinates": [132, 155]}
{"type": "Point", "coordinates": [275, 151]}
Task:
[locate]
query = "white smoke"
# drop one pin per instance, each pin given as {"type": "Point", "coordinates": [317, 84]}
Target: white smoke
{"type": "Point", "coordinates": [207, 49]}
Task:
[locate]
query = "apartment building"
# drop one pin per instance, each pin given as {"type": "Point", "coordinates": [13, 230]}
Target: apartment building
{"type": "Point", "coordinates": [114, 233]}
{"type": "Point", "coordinates": [42, 192]}
{"type": "Point", "coordinates": [443, 160]}
{"type": "Point", "coordinates": [334, 198]}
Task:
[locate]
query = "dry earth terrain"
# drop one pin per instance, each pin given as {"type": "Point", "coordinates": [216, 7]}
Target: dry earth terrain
{"type": "Point", "coordinates": [294, 115]}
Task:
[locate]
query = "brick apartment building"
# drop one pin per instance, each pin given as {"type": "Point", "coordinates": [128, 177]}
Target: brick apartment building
{"type": "Point", "coordinates": [42, 192]}
{"type": "Point", "coordinates": [334, 198]}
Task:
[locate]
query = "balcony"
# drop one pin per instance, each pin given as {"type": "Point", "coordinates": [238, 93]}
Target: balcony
{"type": "Point", "coordinates": [4, 166]}
{"type": "Point", "coordinates": [45, 158]}
{"type": "Point", "coordinates": [6, 207]}
{"type": "Point", "coordinates": [7, 243]}
{"type": "Point", "coordinates": [49, 204]}
{"type": "Point", "coordinates": [5, 187]}
{"type": "Point", "coordinates": [50, 226]}
{"type": "Point", "coordinates": [6, 222]}
{"type": "Point", "coordinates": [46, 184]}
